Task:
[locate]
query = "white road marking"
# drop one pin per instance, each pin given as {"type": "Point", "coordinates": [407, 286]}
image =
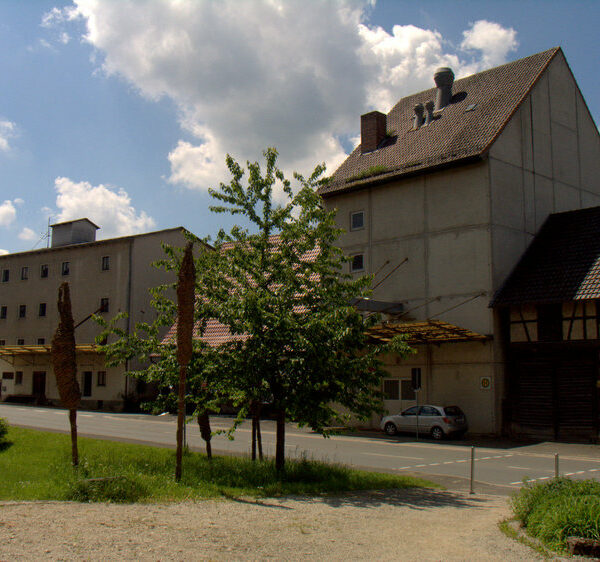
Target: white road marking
{"type": "Point", "coordinates": [86, 415]}
{"type": "Point", "coordinates": [593, 469]}
{"type": "Point", "coordinates": [462, 460]}
{"type": "Point", "coordinates": [394, 456]}
{"type": "Point", "coordinates": [435, 464]}
{"type": "Point", "coordinates": [420, 465]}
{"type": "Point", "coordinates": [523, 468]}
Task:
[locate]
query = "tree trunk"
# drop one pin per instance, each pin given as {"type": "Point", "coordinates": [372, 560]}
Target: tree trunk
{"type": "Point", "coordinates": [258, 435]}
{"type": "Point", "coordinates": [180, 422]}
{"type": "Point", "coordinates": [280, 443]}
{"type": "Point", "coordinates": [205, 433]}
{"type": "Point", "coordinates": [253, 436]}
{"type": "Point", "coordinates": [74, 449]}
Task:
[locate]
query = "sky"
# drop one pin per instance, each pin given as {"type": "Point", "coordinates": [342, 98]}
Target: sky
{"type": "Point", "coordinates": [123, 111]}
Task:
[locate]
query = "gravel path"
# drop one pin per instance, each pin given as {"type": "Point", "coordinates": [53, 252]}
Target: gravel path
{"type": "Point", "coordinates": [406, 525]}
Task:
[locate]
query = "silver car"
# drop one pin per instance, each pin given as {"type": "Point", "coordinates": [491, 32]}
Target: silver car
{"type": "Point", "coordinates": [438, 421]}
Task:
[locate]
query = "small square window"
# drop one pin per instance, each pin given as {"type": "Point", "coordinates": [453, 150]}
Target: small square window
{"type": "Point", "coordinates": [2, 342]}
{"type": "Point", "coordinates": [24, 273]}
{"type": "Point", "coordinates": [19, 377]}
{"type": "Point", "coordinates": [65, 268]}
{"type": "Point", "coordinates": [41, 341]}
{"type": "Point", "coordinates": [42, 310]}
{"type": "Point", "coordinates": [3, 312]}
{"type": "Point", "coordinates": [357, 220]}
{"type": "Point", "coordinates": [20, 341]}
{"type": "Point", "coordinates": [104, 305]}
{"type": "Point", "coordinates": [105, 263]}
{"type": "Point", "coordinates": [22, 310]}
{"type": "Point", "coordinates": [358, 263]}
{"type": "Point", "coordinates": [5, 275]}
{"type": "Point", "coordinates": [44, 271]}
{"type": "Point", "coordinates": [391, 389]}
{"type": "Point", "coordinates": [101, 378]}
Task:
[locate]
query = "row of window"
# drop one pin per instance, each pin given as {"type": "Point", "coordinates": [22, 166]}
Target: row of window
{"type": "Point", "coordinates": [22, 311]}
{"type": "Point", "coordinates": [44, 270]}
{"type": "Point", "coordinates": [21, 341]}
{"type": "Point", "coordinates": [17, 376]}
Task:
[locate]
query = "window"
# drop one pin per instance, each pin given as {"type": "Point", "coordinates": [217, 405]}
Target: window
{"type": "Point", "coordinates": [104, 304]}
{"type": "Point", "coordinates": [44, 271]}
{"type": "Point", "coordinates": [101, 378]}
{"type": "Point", "coordinates": [357, 263]}
{"type": "Point", "coordinates": [20, 341]}
{"type": "Point", "coordinates": [410, 412]}
{"type": "Point", "coordinates": [5, 275]}
{"type": "Point", "coordinates": [3, 312]}
{"type": "Point", "coordinates": [105, 263]}
{"type": "Point", "coordinates": [550, 322]}
{"type": "Point", "coordinates": [22, 310]}
{"type": "Point", "coordinates": [429, 411]}
{"type": "Point", "coordinates": [24, 273]}
{"type": "Point", "coordinates": [65, 268]}
{"type": "Point", "coordinates": [19, 377]}
{"type": "Point", "coordinates": [406, 390]}
{"type": "Point", "coordinates": [391, 389]}
{"type": "Point", "coordinates": [42, 310]}
{"type": "Point", "coordinates": [41, 341]}
{"type": "Point", "coordinates": [357, 220]}
{"type": "Point", "coordinates": [2, 342]}
{"type": "Point", "coordinates": [8, 376]}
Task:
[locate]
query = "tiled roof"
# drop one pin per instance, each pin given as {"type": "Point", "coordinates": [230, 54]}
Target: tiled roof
{"type": "Point", "coordinates": [561, 264]}
{"type": "Point", "coordinates": [456, 135]}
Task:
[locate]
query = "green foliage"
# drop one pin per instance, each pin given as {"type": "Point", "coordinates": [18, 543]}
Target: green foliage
{"type": "Point", "coordinates": [555, 510]}
{"type": "Point", "coordinates": [3, 429]}
{"type": "Point", "coordinates": [370, 172]}
{"type": "Point", "coordinates": [117, 489]}
{"type": "Point", "coordinates": [37, 467]}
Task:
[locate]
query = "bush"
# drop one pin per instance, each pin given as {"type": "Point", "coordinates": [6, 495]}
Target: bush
{"type": "Point", "coordinates": [3, 429]}
{"type": "Point", "coordinates": [118, 489]}
{"type": "Point", "coordinates": [558, 509]}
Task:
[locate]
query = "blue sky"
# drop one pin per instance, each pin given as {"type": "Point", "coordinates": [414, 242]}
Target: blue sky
{"type": "Point", "coordinates": [123, 111]}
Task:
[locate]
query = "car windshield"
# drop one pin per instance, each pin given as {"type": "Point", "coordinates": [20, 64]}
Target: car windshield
{"type": "Point", "coordinates": [453, 411]}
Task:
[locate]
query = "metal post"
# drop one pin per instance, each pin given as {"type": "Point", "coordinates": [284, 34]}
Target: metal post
{"type": "Point", "coordinates": [417, 393]}
{"type": "Point", "coordinates": [556, 471]}
{"type": "Point", "coordinates": [471, 491]}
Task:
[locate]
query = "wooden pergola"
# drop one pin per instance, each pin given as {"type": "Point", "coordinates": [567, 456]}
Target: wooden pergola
{"type": "Point", "coordinates": [429, 331]}
{"type": "Point", "coordinates": [10, 352]}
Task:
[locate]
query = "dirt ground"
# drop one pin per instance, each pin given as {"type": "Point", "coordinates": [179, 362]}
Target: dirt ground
{"type": "Point", "coordinates": [403, 525]}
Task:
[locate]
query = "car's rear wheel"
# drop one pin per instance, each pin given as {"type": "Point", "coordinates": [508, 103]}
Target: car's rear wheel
{"type": "Point", "coordinates": [390, 428]}
{"type": "Point", "coordinates": [437, 432]}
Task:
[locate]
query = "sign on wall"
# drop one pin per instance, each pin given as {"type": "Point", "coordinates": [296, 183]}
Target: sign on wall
{"type": "Point", "coordinates": [485, 383]}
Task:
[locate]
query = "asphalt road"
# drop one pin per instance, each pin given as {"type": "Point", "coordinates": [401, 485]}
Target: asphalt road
{"type": "Point", "coordinates": [499, 467]}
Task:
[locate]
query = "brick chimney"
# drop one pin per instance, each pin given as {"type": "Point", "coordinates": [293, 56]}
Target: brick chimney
{"type": "Point", "coordinates": [373, 127]}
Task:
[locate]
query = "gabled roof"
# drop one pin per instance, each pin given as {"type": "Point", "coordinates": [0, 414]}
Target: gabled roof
{"type": "Point", "coordinates": [457, 135]}
{"type": "Point", "coordinates": [561, 264]}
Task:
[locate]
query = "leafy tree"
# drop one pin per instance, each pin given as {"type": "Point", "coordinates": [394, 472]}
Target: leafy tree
{"type": "Point", "coordinates": [283, 287]}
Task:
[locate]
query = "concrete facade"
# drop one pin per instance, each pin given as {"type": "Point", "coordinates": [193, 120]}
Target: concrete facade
{"type": "Point", "coordinates": [118, 269]}
{"type": "Point", "coordinates": [463, 229]}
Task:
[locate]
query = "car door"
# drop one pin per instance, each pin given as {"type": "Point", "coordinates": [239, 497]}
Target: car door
{"type": "Point", "coordinates": [428, 417]}
{"type": "Point", "coordinates": [407, 421]}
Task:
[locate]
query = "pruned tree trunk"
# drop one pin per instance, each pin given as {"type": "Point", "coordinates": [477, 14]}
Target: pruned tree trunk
{"type": "Point", "coordinates": [185, 326]}
{"type": "Point", "coordinates": [64, 362]}
{"type": "Point", "coordinates": [280, 442]}
{"type": "Point", "coordinates": [74, 448]}
{"type": "Point", "coordinates": [205, 433]}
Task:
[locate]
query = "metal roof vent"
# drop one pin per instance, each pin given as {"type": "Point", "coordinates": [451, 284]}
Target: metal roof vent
{"type": "Point", "coordinates": [444, 78]}
{"type": "Point", "coordinates": [418, 117]}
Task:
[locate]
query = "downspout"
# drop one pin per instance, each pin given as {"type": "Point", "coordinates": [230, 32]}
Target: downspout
{"type": "Point", "coordinates": [128, 305]}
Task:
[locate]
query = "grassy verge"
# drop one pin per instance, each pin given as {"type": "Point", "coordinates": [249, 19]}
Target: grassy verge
{"type": "Point", "coordinates": [555, 510]}
{"type": "Point", "coordinates": [36, 466]}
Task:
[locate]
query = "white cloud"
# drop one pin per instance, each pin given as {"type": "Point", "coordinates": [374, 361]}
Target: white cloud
{"type": "Point", "coordinates": [7, 131]}
{"type": "Point", "coordinates": [3, 252]}
{"type": "Point", "coordinates": [108, 207]}
{"type": "Point", "coordinates": [283, 73]}
{"type": "Point", "coordinates": [492, 40]}
{"type": "Point", "coordinates": [8, 213]}
{"type": "Point", "coordinates": [18, 201]}
{"type": "Point", "coordinates": [27, 234]}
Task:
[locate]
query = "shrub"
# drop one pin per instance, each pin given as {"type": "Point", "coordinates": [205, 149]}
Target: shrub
{"type": "Point", "coordinates": [3, 429]}
{"type": "Point", "coordinates": [558, 509]}
{"type": "Point", "coordinates": [118, 489]}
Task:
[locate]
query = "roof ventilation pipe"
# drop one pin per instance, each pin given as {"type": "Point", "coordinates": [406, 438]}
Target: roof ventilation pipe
{"type": "Point", "coordinates": [418, 118]}
{"type": "Point", "coordinates": [429, 110]}
{"type": "Point", "coordinates": [373, 128]}
{"type": "Point", "coordinates": [444, 78]}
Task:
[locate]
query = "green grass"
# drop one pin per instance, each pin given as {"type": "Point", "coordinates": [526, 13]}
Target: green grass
{"type": "Point", "coordinates": [36, 466]}
{"type": "Point", "coordinates": [559, 508]}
